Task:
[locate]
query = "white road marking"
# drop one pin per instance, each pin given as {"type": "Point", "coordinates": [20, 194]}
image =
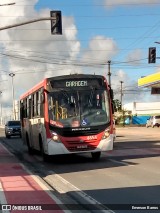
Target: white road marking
{"type": "Point", "coordinates": [45, 187]}
{"type": "Point", "coordinates": [3, 198]}
{"type": "Point", "coordinates": [63, 186]}
{"type": "Point", "coordinates": [120, 162]}
{"type": "Point", "coordinates": [6, 150]}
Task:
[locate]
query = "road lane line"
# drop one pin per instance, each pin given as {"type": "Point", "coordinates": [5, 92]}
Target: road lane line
{"type": "Point", "coordinates": [64, 186]}
{"type": "Point", "coordinates": [45, 187]}
{"type": "Point", "coordinates": [4, 148]}
{"type": "Point", "coordinates": [3, 198]}
{"type": "Point", "coordinates": [120, 162]}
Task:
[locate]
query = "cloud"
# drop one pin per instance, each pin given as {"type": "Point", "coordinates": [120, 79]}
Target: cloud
{"type": "Point", "coordinates": [130, 89]}
{"type": "Point", "coordinates": [115, 3]}
{"type": "Point", "coordinates": [101, 48]}
{"type": "Point", "coordinates": [31, 52]}
{"type": "Point", "coordinates": [135, 57]}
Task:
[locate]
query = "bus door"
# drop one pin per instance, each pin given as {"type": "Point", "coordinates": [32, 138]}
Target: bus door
{"type": "Point", "coordinates": [35, 121]}
{"type": "Point", "coordinates": [28, 120]}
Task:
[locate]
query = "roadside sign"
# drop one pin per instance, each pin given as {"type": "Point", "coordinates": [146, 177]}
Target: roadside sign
{"type": "Point", "coordinates": [155, 90]}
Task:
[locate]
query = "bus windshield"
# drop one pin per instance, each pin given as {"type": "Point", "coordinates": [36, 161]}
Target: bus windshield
{"type": "Point", "coordinates": [79, 108]}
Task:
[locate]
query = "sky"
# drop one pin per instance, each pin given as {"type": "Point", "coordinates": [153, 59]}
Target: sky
{"type": "Point", "coordinates": [94, 32]}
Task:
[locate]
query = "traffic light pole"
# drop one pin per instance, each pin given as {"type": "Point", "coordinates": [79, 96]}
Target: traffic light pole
{"type": "Point", "coordinates": [109, 72]}
{"type": "Point", "coordinates": [152, 55]}
{"type": "Point", "coordinates": [27, 22]}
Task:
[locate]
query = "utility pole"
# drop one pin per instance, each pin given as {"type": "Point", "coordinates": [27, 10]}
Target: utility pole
{"type": "Point", "coordinates": [121, 93]}
{"type": "Point", "coordinates": [13, 101]}
{"type": "Point", "coordinates": [121, 105]}
{"type": "Point", "coordinates": [109, 73]}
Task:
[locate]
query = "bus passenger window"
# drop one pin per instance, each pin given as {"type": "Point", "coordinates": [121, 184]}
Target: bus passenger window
{"type": "Point", "coordinates": [51, 109]}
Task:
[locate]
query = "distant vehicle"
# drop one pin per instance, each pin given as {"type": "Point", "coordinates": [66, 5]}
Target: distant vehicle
{"type": "Point", "coordinates": [13, 128]}
{"type": "Point", "coordinates": [153, 121]}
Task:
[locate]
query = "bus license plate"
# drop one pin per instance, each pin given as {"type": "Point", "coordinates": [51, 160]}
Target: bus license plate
{"type": "Point", "coordinates": [82, 147]}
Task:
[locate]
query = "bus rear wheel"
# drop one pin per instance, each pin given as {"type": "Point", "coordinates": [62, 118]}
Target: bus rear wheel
{"type": "Point", "coordinates": [30, 150]}
{"type": "Point", "coordinates": [96, 155]}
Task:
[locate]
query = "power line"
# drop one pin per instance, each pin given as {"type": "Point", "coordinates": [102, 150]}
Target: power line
{"type": "Point", "coordinates": [92, 28]}
{"type": "Point", "coordinates": [98, 5]}
{"type": "Point", "coordinates": [90, 16]}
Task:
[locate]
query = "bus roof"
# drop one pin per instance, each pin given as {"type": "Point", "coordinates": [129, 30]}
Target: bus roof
{"type": "Point", "coordinates": [75, 76]}
{"type": "Point", "coordinates": [33, 89]}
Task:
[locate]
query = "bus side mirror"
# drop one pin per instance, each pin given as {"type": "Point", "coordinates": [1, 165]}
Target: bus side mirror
{"type": "Point", "coordinates": [111, 94]}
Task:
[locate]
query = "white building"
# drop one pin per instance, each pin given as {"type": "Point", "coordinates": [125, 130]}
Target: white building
{"type": "Point", "coordinates": [139, 108]}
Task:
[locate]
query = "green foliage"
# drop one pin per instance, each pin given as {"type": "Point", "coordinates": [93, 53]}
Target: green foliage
{"type": "Point", "coordinates": [121, 116]}
{"type": "Point", "coordinates": [116, 105]}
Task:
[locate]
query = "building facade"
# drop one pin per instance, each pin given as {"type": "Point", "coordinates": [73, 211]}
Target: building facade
{"type": "Point", "coordinates": [143, 108]}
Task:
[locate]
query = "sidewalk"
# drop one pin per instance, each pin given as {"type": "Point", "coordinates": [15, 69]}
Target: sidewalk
{"type": "Point", "coordinates": [22, 191]}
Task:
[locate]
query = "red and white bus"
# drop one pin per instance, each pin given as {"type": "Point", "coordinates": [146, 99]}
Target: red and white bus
{"type": "Point", "coordinates": [68, 114]}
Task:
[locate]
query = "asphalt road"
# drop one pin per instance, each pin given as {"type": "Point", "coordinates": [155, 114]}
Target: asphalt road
{"type": "Point", "coordinates": [125, 178]}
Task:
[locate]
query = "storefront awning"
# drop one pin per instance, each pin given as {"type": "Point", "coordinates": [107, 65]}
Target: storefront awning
{"type": "Point", "coordinates": [150, 81]}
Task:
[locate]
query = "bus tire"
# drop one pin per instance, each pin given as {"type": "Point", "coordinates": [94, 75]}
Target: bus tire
{"type": "Point", "coordinates": [44, 156]}
{"type": "Point", "coordinates": [95, 155]}
{"type": "Point", "coordinates": [7, 136]}
{"type": "Point", "coordinates": [30, 150]}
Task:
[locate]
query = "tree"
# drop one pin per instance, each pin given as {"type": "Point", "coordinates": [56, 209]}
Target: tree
{"type": "Point", "coordinates": [117, 105]}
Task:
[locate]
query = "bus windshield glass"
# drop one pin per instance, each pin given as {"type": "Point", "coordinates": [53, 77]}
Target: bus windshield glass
{"type": "Point", "coordinates": [79, 108]}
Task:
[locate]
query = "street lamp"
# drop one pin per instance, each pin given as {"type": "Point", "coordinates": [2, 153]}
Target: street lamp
{"type": "Point", "coordinates": [14, 114]}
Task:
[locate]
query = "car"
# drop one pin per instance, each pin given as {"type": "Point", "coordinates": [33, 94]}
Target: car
{"type": "Point", "coordinates": [13, 128]}
{"type": "Point", "coordinates": [153, 121]}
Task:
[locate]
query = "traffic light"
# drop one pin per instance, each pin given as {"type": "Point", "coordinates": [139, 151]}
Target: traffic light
{"type": "Point", "coordinates": [56, 23]}
{"type": "Point", "coordinates": [152, 55]}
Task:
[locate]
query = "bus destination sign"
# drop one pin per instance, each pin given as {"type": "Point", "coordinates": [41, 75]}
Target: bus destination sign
{"type": "Point", "coordinates": [76, 83]}
{"type": "Point", "coordinates": [81, 83]}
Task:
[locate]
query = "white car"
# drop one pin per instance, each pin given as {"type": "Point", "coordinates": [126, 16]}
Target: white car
{"type": "Point", "coordinates": [153, 121]}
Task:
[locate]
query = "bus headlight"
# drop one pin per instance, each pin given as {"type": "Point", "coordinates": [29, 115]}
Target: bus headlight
{"type": "Point", "coordinates": [106, 134]}
{"type": "Point", "coordinates": [55, 137]}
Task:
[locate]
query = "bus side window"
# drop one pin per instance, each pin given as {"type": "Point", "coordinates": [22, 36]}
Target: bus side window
{"type": "Point", "coordinates": [25, 108]}
{"type": "Point", "coordinates": [51, 108]}
{"type": "Point", "coordinates": [32, 105]}
{"type": "Point", "coordinates": [39, 103]}
{"type": "Point", "coordinates": [35, 104]}
{"type": "Point", "coordinates": [29, 107]}
{"type": "Point", "coordinates": [21, 110]}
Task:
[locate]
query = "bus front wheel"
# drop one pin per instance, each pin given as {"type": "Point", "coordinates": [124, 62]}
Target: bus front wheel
{"type": "Point", "coordinates": [44, 156]}
{"type": "Point", "coordinates": [96, 155]}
